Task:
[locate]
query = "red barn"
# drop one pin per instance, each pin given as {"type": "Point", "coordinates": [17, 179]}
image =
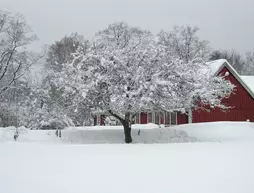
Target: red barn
{"type": "Point", "coordinates": [241, 103]}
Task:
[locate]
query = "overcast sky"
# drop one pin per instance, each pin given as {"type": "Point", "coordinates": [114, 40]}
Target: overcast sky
{"type": "Point", "coordinates": [227, 24]}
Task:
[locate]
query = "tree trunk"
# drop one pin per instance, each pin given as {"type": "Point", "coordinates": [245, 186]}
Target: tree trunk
{"type": "Point", "coordinates": [127, 132]}
{"type": "Point", "coordinates": [126, 122]}
{"type": "Point", "coordinates": [127, 128]}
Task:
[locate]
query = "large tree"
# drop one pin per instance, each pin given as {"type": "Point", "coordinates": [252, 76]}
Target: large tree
{"type": "Point", "coordinates": [15, 63]}
{"type": "Point", "coordinates": [128, 71]}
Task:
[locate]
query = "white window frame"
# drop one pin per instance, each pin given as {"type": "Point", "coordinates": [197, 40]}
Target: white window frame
{"type": "Point", "coordinates": [156, 112]}
{"type": "Point", "coordinates": [153, 117]}
{"type": "Point", "coordinates": [98, 119]}
{"type": "Point", "coordinates": [164, 117]}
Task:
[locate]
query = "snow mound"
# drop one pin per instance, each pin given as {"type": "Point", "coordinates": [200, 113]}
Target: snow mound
{"type": "Point", "coordinates": [148, 134]}
{"type": "Point", "coordinates": [219, 131]}
{"type": "Point", "coordinates": [26, 135]}
{"type": "Point", "coordinates": [7, 133]}
{"type": "Point", "coordinates": [114, 134]}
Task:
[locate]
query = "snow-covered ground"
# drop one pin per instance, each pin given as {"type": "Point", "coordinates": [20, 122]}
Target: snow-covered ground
{"type": "Point", "coordinates": [219, 160]}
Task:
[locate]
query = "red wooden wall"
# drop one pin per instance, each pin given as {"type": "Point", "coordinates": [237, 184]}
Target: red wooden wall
{"type": "Point", "coordinates": [241, 101]}
{"type": "Point", "coordinates": [143, 118]}
{"type": "Point", "coordinates": [181, 118]}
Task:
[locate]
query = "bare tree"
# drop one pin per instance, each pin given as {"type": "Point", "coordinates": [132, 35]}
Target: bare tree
{"type": "Point", "coordinates": [184, 43]}
{"type": "Point", "coordinates": [61, 51]}
{"type": "Point", "coordinates": [233, 57]}
{"type": "Point", "coordinates": [15, 60]}
{"type": "Point", "coordinates": [249, 67]}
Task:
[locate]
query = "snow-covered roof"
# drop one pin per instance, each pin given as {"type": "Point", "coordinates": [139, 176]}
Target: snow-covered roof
{"type": "Point", "coordinates": [217, 65]}
{"type": "Point", "coordinates": [249, 81]}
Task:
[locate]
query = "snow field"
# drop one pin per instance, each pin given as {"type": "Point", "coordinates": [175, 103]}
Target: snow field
{"type": "Point", "coordinates": [112, 168]}
{"type": "Point", "coordinates": [220, 160]}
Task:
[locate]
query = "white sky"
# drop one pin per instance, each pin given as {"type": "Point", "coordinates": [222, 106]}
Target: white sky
{"type": "Point", "coordinates": [227, 24]}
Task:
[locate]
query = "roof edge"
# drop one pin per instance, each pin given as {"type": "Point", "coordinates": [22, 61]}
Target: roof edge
{"type": "Point", "coordinates": [236, 75]}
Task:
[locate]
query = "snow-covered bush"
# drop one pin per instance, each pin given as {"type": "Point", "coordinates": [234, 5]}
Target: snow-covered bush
{"type": "Point", "coordinates": [110, 120]}
{"type": "Point", "coordinates": [52, 125]}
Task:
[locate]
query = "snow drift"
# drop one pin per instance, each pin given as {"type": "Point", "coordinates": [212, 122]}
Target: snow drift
{"type": "Point", "coordinates": [149, 133]}
{"type": "Point", "coordinates": [219, 131]}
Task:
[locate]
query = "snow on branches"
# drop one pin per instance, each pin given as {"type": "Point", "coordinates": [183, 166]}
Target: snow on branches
{"type": "Point", "coordinates": [127, 70]}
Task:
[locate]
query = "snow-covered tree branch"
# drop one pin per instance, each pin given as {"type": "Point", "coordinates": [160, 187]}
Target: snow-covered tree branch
{"type": "Point", "coordinates": [184, 43]}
